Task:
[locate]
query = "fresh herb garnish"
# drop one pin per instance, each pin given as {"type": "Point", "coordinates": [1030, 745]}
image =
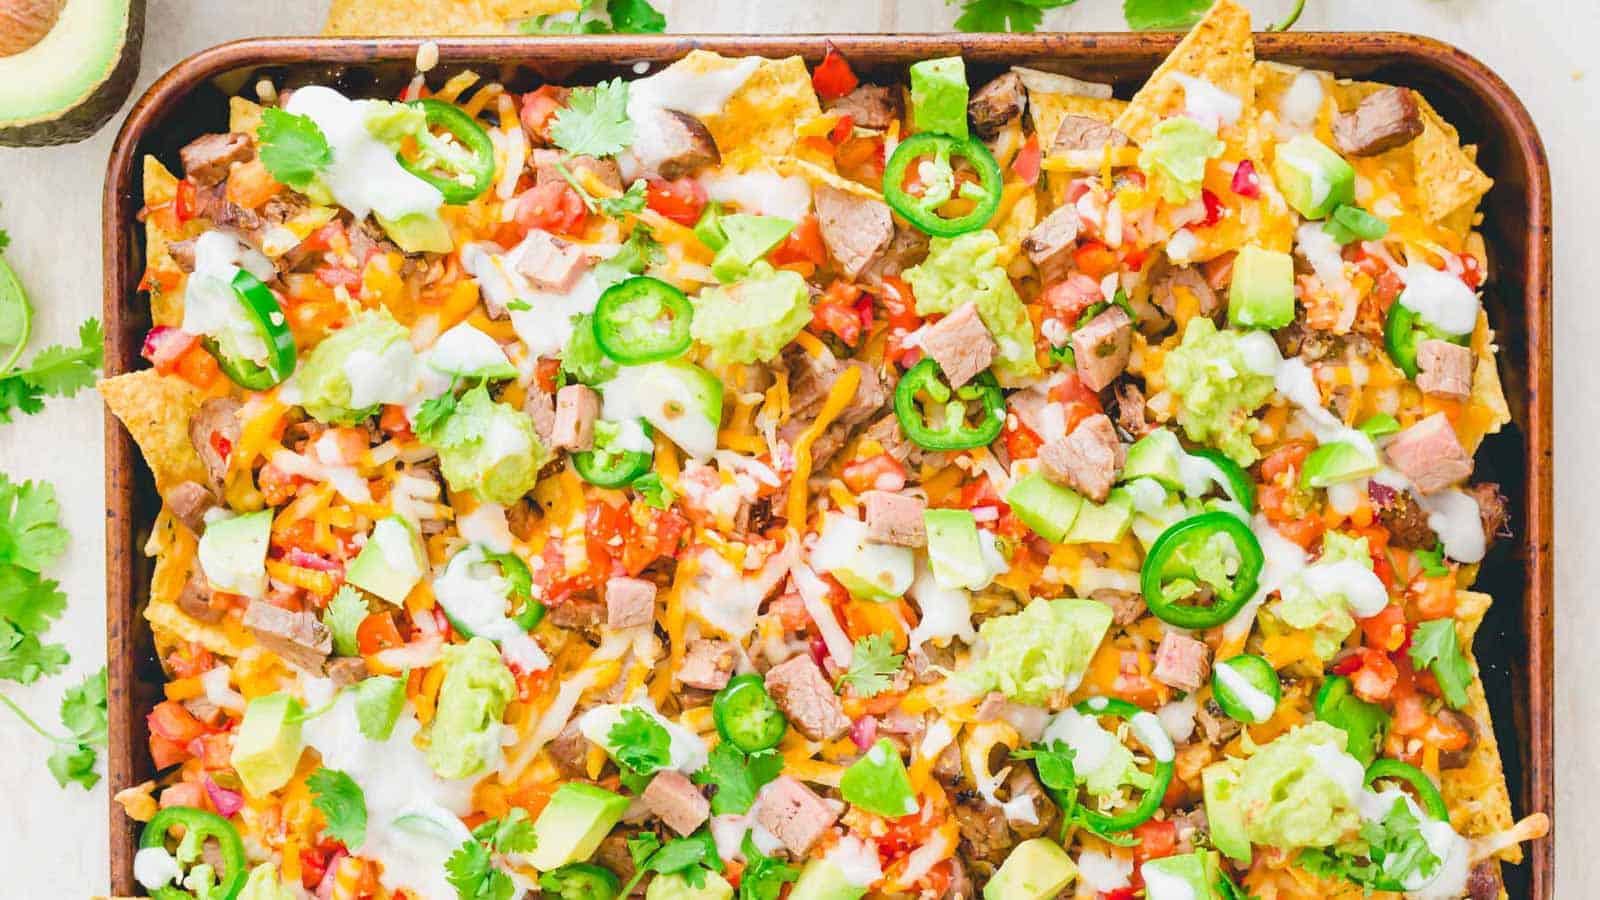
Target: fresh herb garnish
{"type": "Point", "coordinates": [595, 120]}
{"type": "Point", "coordinates": [342, 804]}
{"type": "Point", "coordinates": [653, 491]}
{"type": "Point", "coordinates": [343, 616]}
{"type": "Point", "coordinates": [83, 713]}
{"type": "Point", "coordinates": [472, 868]}
{"type": "Point", "coordinates": [56, 371]}
{"type": "Point", "coordinates": [292, 147]}
{"type": "Point", "coordinates": [764, 876]}
{"type": "Point", "coordinates": [621, 17]}
{"type": "Point", "coordinates": [379, 700]}
{"type": "Point", "coordinates": [1434, 645]}
{"type": "Point", "coordinates": [639, 743]}
{"type": "Point", "coordinates": [1432, 561]}
{"type": "Point", "coordinates": [689, 856]}
{"type": "Point", "coordinates": [737, 777]}
{"type": "Point", "coordinates": [1163, 15]}
{"type": "Point", "coordinates": [873, 665]}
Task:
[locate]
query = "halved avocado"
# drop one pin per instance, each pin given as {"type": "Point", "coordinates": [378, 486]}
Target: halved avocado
{"type": "Point", "coordinates": [65, 66]}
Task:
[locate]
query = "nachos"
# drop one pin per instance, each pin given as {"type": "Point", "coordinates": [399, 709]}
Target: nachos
{"type": "Point", "coordinates": [747, 480]}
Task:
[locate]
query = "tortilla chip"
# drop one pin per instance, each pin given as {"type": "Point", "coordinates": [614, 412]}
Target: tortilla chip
{"type": "Point", "coordinates": [759, 120]}
{"type": "Point", "coordinates": [436, 17]}
{"type": "Point", "coordinates": [1487, 411]}
{"type": "Point", "coordinates": [243, 116]}
{"type": "Point", "coordinates": [172, 626]}
{"type": "Point", "coordinates": [156, 409]}
{"type": "Point", "coordinates": [1219, 49]}
{"type": "Point", "coordinates": [816, 174]}
{"type": "Point", "coordinates": [1477, 796]}
{"type": "Point", "coordinates": [1047, 111]}
{"type": "Point", "coordinates": [1273, 80]}
{"type": "Point", "coordinates": [1018, 220]}
{"type": "Point", "coordinates": [161, 188]}
{"type": "Point", "coordinates": [1447, 177]}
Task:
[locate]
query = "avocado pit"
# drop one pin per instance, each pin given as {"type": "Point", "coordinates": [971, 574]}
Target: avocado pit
{"type": "Point", "coordinates": [24, 23]}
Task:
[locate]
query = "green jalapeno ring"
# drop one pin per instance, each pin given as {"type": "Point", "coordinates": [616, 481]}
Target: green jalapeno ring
{"type": "Point", "coordinates": [926, 377]}
{"type": "Point", "coordinates": [471, 135]}
{"type": "Point", "coordinates": [1427, 792]}
{"type": "Point", "coordinates": [520, 578]}
{"type": "Point", "coordinates": [581, 881]}
{"type": "Point", "coordinates": [628, 316]}
{"type": "Point", "coordinates": [1256, 672]}
{"type": "Point", "coordinates": [206, 825]}
{"type": "Point", "coordinates": [1239, 486]}
{"type": "Point", "coordinates": [1363, 723]}
{"type": "Point", "coordinates": [747, 716]}
{"type": "Point", "coordinates": [614, 468]}
{"type": "Point", "coordinates": [1229, 600]}
{"type": "Point", "coordinates": [1403, 330]}
{"type": "Point", "coordinates": [1151, 801]}
{"type": "Point", "coordinates": [917, 210]}
{"type": "Point", "coordinates": [264, 312]}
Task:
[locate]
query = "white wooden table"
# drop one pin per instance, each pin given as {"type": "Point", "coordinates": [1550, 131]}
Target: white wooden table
{"type": "Point", "coordinates": [55, 840]}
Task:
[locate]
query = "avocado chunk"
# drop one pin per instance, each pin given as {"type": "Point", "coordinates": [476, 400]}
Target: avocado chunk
{"type": "Point", "coordinates": [1103, 523]}
{"type": "Point", "coordinates": [1187, 876]}
{"type": "Point", "coordinates": [1037, 869]}
{"type": "Point", "coordinates": [392, 561]}
{"type": "Point", "coordinates": [233, 553]}
{"type": "Point", "coordinates": [418, 233]}
{"type": "Point", "coordinates": [939, 96]}
{"type": "Point", "coordinates": [746, 239]}
{"type": "Point", "coordinates": [824, 880]}
{"type": "Point", "coordinates": [1046, 507]}
{"type": "Point", "coordinates": [573, 823]}
{"type": "Point", "coordinates": [1223, 813]}
{"type": "Point", "coordinates": [1157, 455]}
{"type": "Point", "coordinates": [677, 887]}
{"type": "Point", "coordinates": [266, 749]}
{"type": "Point", "coordinates": [1261, 294]}
{"type": "Point", "coordinates": [63, 75]}
{"type": "Point", "coordinates": [867, 569]}
{"type": "Point", "coordinates": [1313, 177]}
{"type": "Point", "coordinates": [954, 549]}
{"type": "Point", "coordinates": [1332, 463]}
{"type": "Point", "coordinates": [878, 782]}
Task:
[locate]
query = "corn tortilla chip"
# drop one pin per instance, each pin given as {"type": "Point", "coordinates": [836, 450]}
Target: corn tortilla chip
{"type": "Point", "coordinates": [1447, 177]}
{"type": "Point", "coordinates": [1219, 49]}
{"type": "Point", "coordinates": [816, 174]}
{"type": "Point", "coordinates": [166, 297]}
{"type": "Point", "coordinates": [156, 409]}
{"type": "Point", "coordinates": [759, 119]}
{"type": "Point", "coordinates": [1487, 408]}
{"type": "Point", "coordinates": [436, 17]}
{"type": "Point", "coordinates": [1476, 793]}
{"type": "Point", "coordinates": [243, 116]}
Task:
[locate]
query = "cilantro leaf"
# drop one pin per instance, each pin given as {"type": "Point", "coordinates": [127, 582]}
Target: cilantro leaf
{"type": "Point", "coordinates": [872, 665]}
{"type": "Point", "coordinates": [30, 536]}
{"type": "Point", "coordinates": [595, 120]}
{"type": "Point", "coordinates": [471, 872]}
{"type": "Point", "coordinates": [57, 371]}
{"type": "Point", "coordinates": [74, 763]}
{"type": "Point", "coordinates": [24, 658]}
{"type": "Point", "coordinates": [653, 491]}
{"type": "Point", "coordinates": [379, 700]}
{"type": "Point", "coordinates": [1053, 762]}
{"type": "Point", "coordinates": [641, 846]}
{"type": "Point", "coordinates": [512, 834]}
{"type": "Point", "coordinates": [1434, 645]}
{"type": "Point", "coordinates": [1163, 15]}
{"type": "Point", "coordinates": [342, 804]}
{"type": "Point", "coordinates": [640, 743]}
{"type": "Point", "coordinates": [28, 602]}
{"type": "Point", "coordinates": [685, 855]}
{"type": "Point", "coordinates": [17, 393]}
{"type": "Point", "coordinates": [1005, 15]}
{"type": "Point", "coordinates": [764, 876]}
{"type": "Point", "coordinates": [635, 17]}
{"type": "Point", "coordinates": [83, 712]}
{"type": "Point", "coordinates": [640, 251]}
{"type": "Point", "coordinates": [582, 360]}
{"type": "Point", "coordinates": [737, 777]}
{"type": "Point", "coordinates": [630, 201]}
{"type": "Point", "coordinates": [343, 616]}
{"type": "Point", "coordinates": [432, 416]}
{"type": "Point", "coordinates": [292, 147]}
{"type": "Point", "coordinates": [626, 17]}
{"type": "Point", "coordinates": [1432, 561]}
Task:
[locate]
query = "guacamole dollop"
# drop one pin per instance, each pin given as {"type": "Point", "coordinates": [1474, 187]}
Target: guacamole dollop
{"type": "Point", "coordinates": [1319, 599]}
{"type": "Point", "coordinates": [967, 267]}
{"type": "Point", "coordinates": [1177, 152]}
{"type": "Point", "coordinates": [465, 738]}
{"type": "Point", "coordinates": [490, 448]}
{"type": "Point", "coordinates": [1034, 654]}
{"type": "Point", "coordinates": [357, 369]}
{"type": "Point", "coordinates": [754, 319]}
{"type": "Point", "coordinates": [1219, 379]}
{"type": "Point", "coordinates": [1300, 790]}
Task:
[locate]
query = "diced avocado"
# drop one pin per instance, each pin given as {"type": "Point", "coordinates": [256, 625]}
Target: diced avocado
{"type": "Point", "coordinates": [1223, 813]}
{"type": "Point", "coordinates": [233, 553]}
{"type": "Point", "coordinates": [573, 823]}
{"type": "Point", "coordinates": [747, 239]}
{"type": "Point", "coordinates": [1037, 869]}
{"type": "Point", "coordinates": [1157, 455]}
{"type": "Point", "coordinates": [953, 549]}
{"type": "Point", "coordinates": [1313, 177]}
{"type": "Point", "coordinates": [824, 880]}
{"type": "Point", "coordinates": [1046, 507]}
{"type": "Point", "coordinates": [1336, 462]}
{"type": "Point", "coordinates": [1261, 294]}
{"type": "Point", "coordinates": [709, 227]}
{"type": "Point", "coordinates": [939, 96]}
{"type": "Point", "coordinates": [677, 887]}
{"type": "Point", "coordinates": [464, 737]}
{"type": "Point", "coordinates": [1103, 523]}
{"type": "Point", "coordinates": [469, 353]}
{"type": "Point", "coordinates": [391, 563]}
{"type": "Point", "coordinates": [418, 233]}
{"type": "Point", "coordinates": [266, 748]}
{"type": "Point", "coordinates": [684, 401]}
{"type": "Point", "coordinates": [65, 68]}
{"type": "Point", "coordinates": [878, 782]}
{"type": "Point", "coordinates": [1181, 877]}
{"type": "Point", "coordinates": [867, 569]}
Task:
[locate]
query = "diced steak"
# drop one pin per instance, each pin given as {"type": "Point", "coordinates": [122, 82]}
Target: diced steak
{"type": "Point", "coordinates": [960, 343]}
{"type": "Point", "coordinates": [1179, 286]}
{"type": "Point", "coordinates": [674, 144]}
{"type": "Point", "coordinates": [1050, 244]}
{"type": "Point", "coordinates": [1041, 813]}
{"type": "Point", "coordinates": [199, 601]}
{"type": "Point", "coordinates": [873, 106]}
{"type": "Point", "coordinates": [1086, 460]}
{"type": "Point", "coordinates": [907, 248]}
{"type": "Point", "coordinates": [1029, 721]}
{"type": "Point", "coordinates": [1216, 726]}
{"type": "Point", "coordinates": [855, 228]}
{"type": "Point", "coordinates": [674, 799]}
{"type": "Point", "coordinates": [1189, 826]}
{"type": "Point", "coordinates": [984, 833]}
{"type": "Point", "coordinates": [1484, 881]}
{"type": "Point", "coordinates": [1032, 408]}
{"type": "Point", "coordinates": [794, 814]}
{"type": "Point", "coordinates": [894, 518]}
{"type": "Point", "coordinates": [214, 431]}
{"type": "Point", "coordinates": [707, 664]}
{"type": "Point", "coordinates": [996, 103]}
{"type": "Point", "coordinates": [1101, 347]}
{"type": "Point", "coordinates": [207, 158]}
{"type": "Point", "coordinates": [1182, 662]}
{"type": "Point", "coordinates": [298, 637]}
{"type": "Point", "coordinates": [550, 263]}
{"type": "Point", "coordinates": [1130, 409]}
{"type": "Point", "coordinates": [1430, 454]}
{"type": "Point", "coordinates": [1405, 519]}
{"type": "Point", "coordinates": [189, 502]}
{"type": "Point", "coordinates": [1493, 509]}
{"type": "Point", "coordinates": [570, 751]}
{"type": "Point", "coordinates": [577, 406]}
{"type": "Point", "coordinates": [630, 602]}
{"type": "Point", "coordinates": [806, 697]}
{"type": "Point", "coordinates": [1383, 121]}
{"type": "Point", "coordinates": [581, 612]}
{"type": "Point", "coordinates": [546, 165]}
{"type": "Point", "coordinates": [1444, 369]}
{"type": "Point", "coordinates": [182, 253]}
{"type": "Point", "coordinates": [1085, 133]}
{"type": "Point", "coordinates": [1126, 606]}
{"type": "Point", "coordinates": [346, 670]}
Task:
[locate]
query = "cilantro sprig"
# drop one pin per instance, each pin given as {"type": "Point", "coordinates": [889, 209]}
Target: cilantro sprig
{"type": "Point", "coordinates": [595, 120]}
{"type": "Point", "coordinates": [1005, 15]}
{"type": "Point", "coordinates": [1434, 645]}
{"type": "Point", "coordinates": [343, 616]}
{"type": "Point", "coordinates": [1141, 15]}
{"type": "Point", "coordinates": [639, 743]}
{"type": "Point", "coordinates": [474, 869]}
{"type": "Point", "coordinates": [764, 876]}
{"type": "Point", "coordinates": [737, 777]}
{"type": "Point", "coordinates": [342, 803]}
{"type": "Point", "coordinates": [873, 665]}
{"type": "Point", "coordinates": [690, 857]}
{"type": "Point", "coordinates": [620, 17]}
{"type": "Point", "coordinates": [83, 714]}
{"type": "Point", "coordinates": [292, 147]}
{"type": "Point", "coordinates": [1053, 764]}
{"type": "Point", "coordinates": [56, 371]}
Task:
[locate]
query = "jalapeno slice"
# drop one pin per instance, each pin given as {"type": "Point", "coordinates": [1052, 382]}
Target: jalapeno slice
{"type": "Point", "coordinates": [1363, 723]}
{"type": "Point", "coordinates": [262, 309]}
{"type": "Point", "coordinates": [925, 378]}
{"type": "Point", "coordinates": [1246, 687]}
{"type": "Point", "coordinates": [1428, 796]}
{"type": "Point", "coordinates": [747, 716]}
{"type": "Point", "coordinates": [642, 320]}
{"type": "Point", "coordinates": [520, 581]}
{"type": "Point", "coordinates": [461, 171]}
{"type": "Point", "coordinates": [580, 881]}
{"type": "Point", "coordinates": [1238, 485]}
{"type": "Point", "coordinates": [940, 184]}
{"type": "Point", "coordinates": [1404, 330]}
{"type": "Point", "coordinates": [1151, 801]}
{"type": "Point", "coordinates": [610, 467]}
{"type": "Point", "coordinates": [1172, 564]}
{"type": "Point", "coordinates": [198, 826]}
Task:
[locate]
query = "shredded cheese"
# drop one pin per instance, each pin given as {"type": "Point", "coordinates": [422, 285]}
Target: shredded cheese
{"type": "Point", "coordinates": [842, 392]}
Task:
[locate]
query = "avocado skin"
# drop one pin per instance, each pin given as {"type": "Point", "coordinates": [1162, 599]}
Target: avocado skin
{"type": "Point", "coordinates": [84, 119]}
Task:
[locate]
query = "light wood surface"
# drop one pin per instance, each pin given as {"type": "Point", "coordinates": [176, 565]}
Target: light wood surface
{"type": "Point", "coordinates": [49, 201]}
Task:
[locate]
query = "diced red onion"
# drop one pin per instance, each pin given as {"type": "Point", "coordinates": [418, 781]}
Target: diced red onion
{"type": "Point", "coordinates": [864, 732]}
{"type": "Point", "coordinates": [1245, 181]}
{"type": "Point", "coordinates": [226, 802]}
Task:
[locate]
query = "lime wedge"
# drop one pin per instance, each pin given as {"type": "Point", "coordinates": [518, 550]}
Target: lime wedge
{"type": "Point", "coordinates": [16, 318]}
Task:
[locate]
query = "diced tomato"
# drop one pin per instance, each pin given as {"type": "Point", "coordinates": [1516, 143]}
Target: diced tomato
{"type": "Point", "coordinates": [1021, 441]}
{"type": "Point", "coordinates": [842, 130]}
{"type": "Point", "coordinates": [1434, 597]}
{"type": "Point", "coordinates": [1246, 183]}
{"type": "Point", "coordinates": [1385, 631]}
{"type": "Point", "coordinates": [331, 236]}
{"type": "Point", "coordinates": [833, 77]}
{"type": "Point", "coordinates": [335, 276]}
{"type": "Point", "coordinates": [1213, 206]}
{"type": "Point", "coordinates": [1071, 389]}
{"type": "Point", "coordinates": [1126, 893]}
{"type": "Point", "coordinates": [1156, 839]}
{"type": "Point", "coordinates": [1026, 165]}
{"type": "Point", "coordinates": [682, 200]}
{"type": "Point", "coordinates": [185, 205]}
{"type": "Point", "coordinates": [861, 158]}
{"type": "Point", "coordinates": [1375, 677]}
{"type": "Point", "coordinates": [660, 534]}
{"type": "Point", "coordinates": [880, 472]}
{"type": "Point", "coordinates": [276, 485]}
{"type": "Point", "coordinates": [1095, 259]}
{"type": "Point", "coordinates": [184, 793]}
{"type": "Point", "coordinates": [170, 720]}
{"type": "Point", "coordinates": [900, 312]}
{"type": "Point", "coordinates": [539, 107]}
{"type": "Point", "coordinates": [213, 751]}
{"type": "Point", "coordinates": [1134, 257]}
{"type": "Point", "coordinates": [198, 367]}
{"type": "Point", "coordinates": [165, 345]}
{"type": "Point", "coordinates": [164, 753]}
{"type": "Point", "coordinates": [315, 862]}
{"type": "Point", "coordinates": [377, 632]}
{"type": "Point", "coordinates": [840, 312]}
{"type": "Point", "coordinates": [1068, 298]}
{"type": "Point", "coordinates": [804, 244]}
{"type": "Point", "coordinates": [394, 422]}
{"type": "Point", "coordinates": [791, 611]}
{"type": "Point", "coordinates": [1471, 272]}
{"type": "Point", "coordinates": [1285, 461]}
{"type": "Point", "coordinates": [250, 185]}
{"type": "Point", "coordinates": [553, 206]}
